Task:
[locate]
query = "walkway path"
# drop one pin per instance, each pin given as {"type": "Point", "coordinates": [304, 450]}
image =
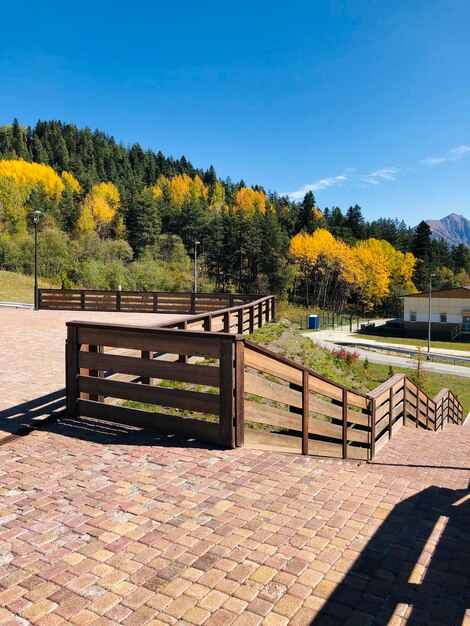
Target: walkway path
{"type": "Point", "coordinates": [331, 339]}
{"type": "Point", "coordinates": [103, 525]}
{"type": "Point", "coordinates": [32, 358]}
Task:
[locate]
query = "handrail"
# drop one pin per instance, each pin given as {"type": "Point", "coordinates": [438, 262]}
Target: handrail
{"type": "Point", "coordinates": [282, 359]}
{"type": "Point", "coordinates": [333, 418]}
{"type": "Point", "coordinates": [137, 301]}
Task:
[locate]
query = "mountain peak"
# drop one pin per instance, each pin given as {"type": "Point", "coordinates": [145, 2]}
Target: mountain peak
{"type": "Point", "coordinates": [453, 228]}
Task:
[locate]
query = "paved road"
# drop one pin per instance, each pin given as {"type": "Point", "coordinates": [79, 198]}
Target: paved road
{"type": "Point", "coordinates": [331, 340]}
{"type": "Point", "coordinates": [32, 358]}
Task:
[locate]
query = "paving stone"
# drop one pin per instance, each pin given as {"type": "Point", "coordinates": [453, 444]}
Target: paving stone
{"type": "Point", "coordinates": [114, 525]}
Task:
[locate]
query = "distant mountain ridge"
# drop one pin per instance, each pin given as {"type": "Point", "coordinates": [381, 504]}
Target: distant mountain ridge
{"type": "Point", "coordinates": [454, 229]}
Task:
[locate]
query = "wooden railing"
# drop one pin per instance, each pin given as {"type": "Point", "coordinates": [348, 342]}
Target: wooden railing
{"type": "Point", "coordinates": [110, 364]}
{"type": "Point", "coordinates": [399, 401]}
{"type": "Point", "coordinates": [200, 377]}
{"type": "Point", "coordinates": [312, 414]}
{"type": "Point", "coordinates": [138, 301]}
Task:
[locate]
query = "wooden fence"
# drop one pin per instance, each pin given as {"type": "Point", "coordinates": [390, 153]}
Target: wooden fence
{"type": "Point", "coordinates": [160, 374]}
{"type": "Point", "coordinates": [138, 301]}
{"type": "Point", "coordinates": [200, 377]}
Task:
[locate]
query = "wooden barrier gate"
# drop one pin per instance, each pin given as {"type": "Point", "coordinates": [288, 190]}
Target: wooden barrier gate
{"type": "Point", "coordinates": [201, 378]}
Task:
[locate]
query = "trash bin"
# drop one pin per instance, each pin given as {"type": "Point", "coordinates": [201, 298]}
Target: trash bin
{"type": "Point", "coordinates": [313, 322]}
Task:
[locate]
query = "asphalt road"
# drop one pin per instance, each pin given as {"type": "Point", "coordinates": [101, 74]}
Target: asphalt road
{"type": "Point", "coordinates": [332, 339]}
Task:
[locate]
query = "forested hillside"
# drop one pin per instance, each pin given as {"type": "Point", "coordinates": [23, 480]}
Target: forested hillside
{"type": "Point", "coordinates": [123, 215]}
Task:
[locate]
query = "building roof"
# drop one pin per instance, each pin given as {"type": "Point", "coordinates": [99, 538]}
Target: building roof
{"type": "Point", "coordinates": [455, 292]}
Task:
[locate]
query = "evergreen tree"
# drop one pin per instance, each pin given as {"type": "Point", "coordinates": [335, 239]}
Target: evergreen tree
{"type": "Point", "coordinates": [143, 222]}
{"type": "Point", "coordinates": [355, 222]}
{"type": "Point", "coordinates": [306, 218]}
{"type": "Point", "coordinates": [421, 243]}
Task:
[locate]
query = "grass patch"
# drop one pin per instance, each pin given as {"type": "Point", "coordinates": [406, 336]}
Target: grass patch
{"type": "Point", "coordinates": [16, 287]}
{"type": "Point", "coordinates": [432, 382]}
{"type": "Point", "coordinates": [289, 343]}
{"type": "Point", "coordinates": [444, 345]}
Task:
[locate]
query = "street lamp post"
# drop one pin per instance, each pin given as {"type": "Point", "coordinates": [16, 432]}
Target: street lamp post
{"type": "Point", "coordinates": [196, 243]}
{"type": "Point", "coordinates": [429, 312]}
{"type": "Point", "coordinates": [36, 215]}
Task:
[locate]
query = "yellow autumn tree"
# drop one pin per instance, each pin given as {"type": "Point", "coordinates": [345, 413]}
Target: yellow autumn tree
{"type": "Point", "coordinates": [180, 189]}
{"type": "Point", "coordinates": [374, 279]}
{"type": "Point", "coordinates": [400, 266]}
{"type": "Point", "coordinates": [98, 209]}
{"type": "Point", "coordinates": [326, 267]}
{"type": "Point", "coordinates": [217, 197]}
{"type": "Point", "coordinates": [27, 175]}
{"type": "Point", "coordinates": [249, 200]}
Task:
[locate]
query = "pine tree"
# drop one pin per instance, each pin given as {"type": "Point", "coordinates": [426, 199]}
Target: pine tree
{"type": "Point", "coordinates": [306, 219]}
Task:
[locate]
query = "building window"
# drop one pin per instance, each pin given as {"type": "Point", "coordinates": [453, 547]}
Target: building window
{"type": "Point", "coordinates": [412, 316]}
{"type": "Point", "coordinates": [443, 318]}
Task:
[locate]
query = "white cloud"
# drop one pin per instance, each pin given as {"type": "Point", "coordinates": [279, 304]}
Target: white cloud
{"type": "Point", "coordinates": [452, 155]}
{"type": "Point", "coordinates": [349, 176]}
{"type": "Point", "coordinates": [316, 186]}
{"type": "Point", "coordinates": [379, 176]}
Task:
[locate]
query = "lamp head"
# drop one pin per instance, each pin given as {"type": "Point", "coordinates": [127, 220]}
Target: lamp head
{"type": "Point", "coordinates": [36, 215]}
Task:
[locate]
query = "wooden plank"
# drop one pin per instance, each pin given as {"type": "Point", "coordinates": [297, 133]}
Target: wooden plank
{"type": "Point", "coordinates": [184, 427]}
{"type": "Point", "coordinates": [305, 407]}
{"type": "Point", "coordinates": [358, 453]}
{"type": "Point", "coordinates": [271, 416]}
{"type": "Point", "coordinates": [260, 440]}
{"type": "Point", "coordinates": [356, 399]}
{"type": "Point", "coordinates": [139, 339]}
{"type": "Point", "coordinates": [177, 398]}
{"type": "Point", "coordinates": [227, 398]}
{"type": "Point", "coordinates": [195, 374]}
{"type": "Point", "coordinates": [239, 393]}
{"type": "Point", "coordinates": [325, 448]}
{"type": "Point", "coordinates": [272, 391]}
{"type": "Point", "coordinates": [381, 441]}
{"type": "Point", "coordinates": [71, 368]}
{"type": "Point", "coordinates": [268, 365]}
{"type": "Point", "coordinates": [325, 388]}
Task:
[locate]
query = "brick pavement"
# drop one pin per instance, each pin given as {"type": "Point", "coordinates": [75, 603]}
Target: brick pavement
{"type": "Point", "coordinates": [106, 525]}
{"type": "Point", "coordinates": [32, 357]}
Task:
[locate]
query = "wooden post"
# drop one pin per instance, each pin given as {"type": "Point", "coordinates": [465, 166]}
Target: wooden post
{"type": "Point", "coordinates": [145, 354]}
{"type": "Point", "coordinates": [405, 407]}
{"type": "Point", "coordinates": [390, 410]}
{"type": "Point", "coordinates": [373, 409]}
{"type": "Point", "coordinates": [227, 376]}
{"type": "Point", "coordinates": [155, 302]}
{"type": "Point", "coordinates": [251, 326]}
{"type": "Point", "coordinates": [226, 322]}
{"type": "Point", "coordinates": [240, 321]}
{"type": "Point", "coordinates": [118, 300]}
{"type": "Point", "coordinates": [82, 299]}
{"type": "Point", "coordinates": [239, 393]}
{"type": "Point", "coordinates": [230, 300]}
{"type": "Point", "coordinates": [71, 371]}
{"type": "Point", "coordinates": [345, 423]}
{"type": "Point", "coordinates": [183, 358]}
{"type": "Point", "coordinates": [305, 411]}
{"type": "Point", "coordinates": [96, 373]}
{"type": "Point", "coordinates": [208, 323]}
{"type": "Point", "coordinates": [193, 303]}
{"type": "Point", "coordinates": [273, 308]}
{"type": "Point", "coordinates": [260, 314]}
{"type": "Point", "coordinates": [427, 413]}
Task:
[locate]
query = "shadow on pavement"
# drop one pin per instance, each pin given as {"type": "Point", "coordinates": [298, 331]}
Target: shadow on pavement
{"type": "Point", "coordinates": [416, 566]}
{"type": "Point", "coordinates": [33, 412]}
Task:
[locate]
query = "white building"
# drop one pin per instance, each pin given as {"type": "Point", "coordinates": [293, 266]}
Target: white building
{"type": "Point", "coordinates": [450, 312]}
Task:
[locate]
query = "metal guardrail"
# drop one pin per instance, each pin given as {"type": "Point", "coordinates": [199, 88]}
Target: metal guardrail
{"type": "Point", "coordinates": [411, 353]}
{"type": "Point", "coordinates": [16, 305]}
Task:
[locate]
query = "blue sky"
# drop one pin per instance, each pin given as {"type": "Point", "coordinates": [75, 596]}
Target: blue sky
{"type": "Point", "coordinates": [364, 102]}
